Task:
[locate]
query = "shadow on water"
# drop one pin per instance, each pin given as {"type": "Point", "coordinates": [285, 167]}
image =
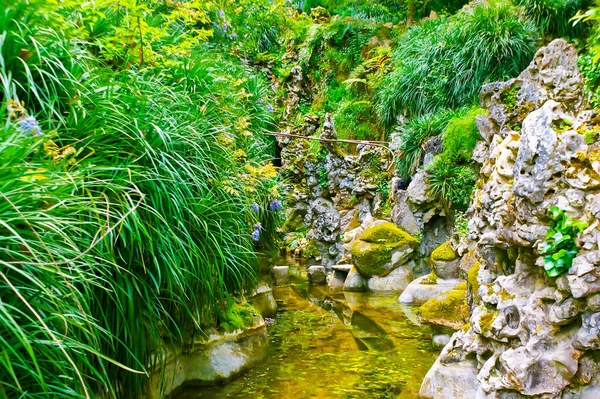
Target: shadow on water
{"type": "Point", "coordinates": [335, 345]}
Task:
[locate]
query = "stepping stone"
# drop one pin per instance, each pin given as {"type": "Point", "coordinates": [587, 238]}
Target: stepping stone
{"type": "Point", "coordinates": [281, 275]}
{"type": "Point", "coordinates": [317, 275]}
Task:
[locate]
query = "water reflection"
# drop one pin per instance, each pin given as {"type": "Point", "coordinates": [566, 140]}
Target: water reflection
{"type": "Point", "coordinates": [335, 345]}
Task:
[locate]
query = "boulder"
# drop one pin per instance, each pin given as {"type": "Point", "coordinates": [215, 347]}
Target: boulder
{"type": "Point", "coordinates": [445, 262]}
{"type": "Point", "coordinates": [354, 281]}
{"type": "Point", "coordinates": [450, 381]}
{"type": "Point", "coordinates": [338, 277]}
{"type": "Point", "coordinates": [281, 275]}
{"type": "Point", "coordinates": [382, 248]}
{"type": "Point", "coordinates": [426, 287]}
{"type": "Point", "coordinates": [396, 281]}
{"type": "Point", "coordinates": [317, 275]}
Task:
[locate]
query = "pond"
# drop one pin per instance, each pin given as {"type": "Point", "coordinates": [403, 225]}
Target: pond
{"type": "Point", "coordinates": [335, 345]}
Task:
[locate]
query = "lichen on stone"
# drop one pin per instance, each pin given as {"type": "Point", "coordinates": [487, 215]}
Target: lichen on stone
{"type": "Point", "coordinates": [443, 253]}
{"type": "Point", "coordinates": [430, 279]}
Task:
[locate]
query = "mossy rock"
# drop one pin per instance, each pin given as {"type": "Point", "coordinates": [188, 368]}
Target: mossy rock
{"type": "Point", "coordinates": [443, 253]}
{"type": "Point", "coordinates": [295, 220]}
{"type": "Point", "coordinates": [382, 248]}
{"type": "Point", "coordinates": [354, 222]}
{"type": "Point", "coordinates": [311, 250]}
{"type": "Point", "coordinates": [448, 309]}
{"type": "Point", "coordinates": [472, 280]}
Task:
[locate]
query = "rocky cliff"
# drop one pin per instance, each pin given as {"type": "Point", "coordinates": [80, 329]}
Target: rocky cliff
{"type": "Point", "coordinates": [531, 335]}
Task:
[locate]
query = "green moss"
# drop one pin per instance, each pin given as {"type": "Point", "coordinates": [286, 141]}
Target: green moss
{"type": "Point", "coordinates": [311, 250]}
{"type": "Point", "coordinates": [505, 296]}
{"type": "Point", "coordinates": [236, 315]}
{"type": "Point", "coordinates": [448, 309]}
{"type": "Point", "coordinates": [295, 220]}
{"type": "Point", "coordinates": [486, 320]}
{"type": "Point", "coordinates": [430, 279]}
{"type": "Point", "coordinates": [443, 253]}
{"type": "Point", "coordinates": [388, 233]}
{"type": "Point", "coordinates": [472, 280]}
{"type": "Point", "coordinates": [374, 249]}
{"type": "Point", "coordinates": [354, 222]}
{"type": "Point", "coordinates": [509, 97]}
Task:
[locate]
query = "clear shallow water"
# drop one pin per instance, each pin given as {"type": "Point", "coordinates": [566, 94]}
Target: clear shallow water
{"type": "Point", "coordinates": [343, 345]}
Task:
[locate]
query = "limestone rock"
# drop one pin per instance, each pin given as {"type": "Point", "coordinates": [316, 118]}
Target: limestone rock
{"type": "Point", "coordinates": [426, 287]}
{"type": "Point", "coordinates": [382, 248]}
{"type": "Point", "coordinates": [354, 281]}
{"type": "Point", "coordinates": [447, 309]}
{"type": "Point", "coordinates": [281, 275]}
{"type": "Point", "coordinates": [445, 262]}
{"type": "Point", "coordinates": [396, 281]}
{"type": "Point", "coordinates": [317, 275]}
{"type": "Point", "coordinates": [263, 301]}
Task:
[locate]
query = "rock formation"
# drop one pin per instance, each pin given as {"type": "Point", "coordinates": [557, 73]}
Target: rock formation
{"type": "Point", "coordinates": [530, 335]}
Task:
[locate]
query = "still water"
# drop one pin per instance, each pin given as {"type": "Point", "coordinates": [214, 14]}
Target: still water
{"type": "Point", "coordinates": [335, 345]}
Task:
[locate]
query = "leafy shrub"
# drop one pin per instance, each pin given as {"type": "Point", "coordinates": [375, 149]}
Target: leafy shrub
{"type": "Point", "coordinates": [412, 137]}
{"type": "Point", "coordinates": [443, 63]}
{"type": "Point", "coordinates": [590, 70]}
{"type": "Point", "coordinates": [560, 247]}
{"type": "Point", "coordinates": [553, 17]}
{"type": "Point", "coordinates": [451, 183]}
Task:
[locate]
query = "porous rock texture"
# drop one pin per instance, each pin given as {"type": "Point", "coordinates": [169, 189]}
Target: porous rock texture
{"type": "Point", "coordinates": [530, 336]}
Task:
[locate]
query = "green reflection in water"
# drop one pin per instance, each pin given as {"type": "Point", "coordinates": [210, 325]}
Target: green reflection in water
{"type": "Point", "coordinates": [346, 345]}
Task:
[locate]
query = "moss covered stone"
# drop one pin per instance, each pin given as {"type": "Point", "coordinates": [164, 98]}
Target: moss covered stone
{"type": "Point", "coordinates": [448, 309]}
{"type": "Point", "coordinates": [472, 280]}
{"type": "Point", "coordinates": [431, 278]}
{"type": "Point", "coordinates": [311, 250]}
{"type": "Point", "coordinates": [382, 248]}
{"type": "Point", "coordinates": [294, 220]}
{"type": "Point", "coordinates": [443, 253]}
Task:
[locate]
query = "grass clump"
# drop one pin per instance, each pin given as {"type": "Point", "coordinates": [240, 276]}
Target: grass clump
{"type": "Point", "coordinates": [443, 63]}
{"type": "Point", "coordinates": [127, 190]}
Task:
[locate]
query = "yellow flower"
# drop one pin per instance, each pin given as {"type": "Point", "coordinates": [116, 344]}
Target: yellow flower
{"type": "Point", "coordinates": [37, 176]}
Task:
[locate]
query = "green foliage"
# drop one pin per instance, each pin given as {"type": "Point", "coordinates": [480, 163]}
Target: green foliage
{"type": "Point", "coordinates": [591, 74]}
{"type": "Point", "coordinates": [553, 17]}
{"type": "Point", "coordinates": [461, 136]}
{"type": "Point", "coordinates": [136, 195]}
{"type": "Point", "coordinates": [452, 183]}
{"type": "Point", "coordinates": [413, 136]}
{"type": "Point", "coordinates": [443, 63]}
{"type": "Point", "coordinates": [560, 247]}
{"type": "Point", "coordinates": [461, 225]}
{"type": "Point", "coordinates": [591, 16]}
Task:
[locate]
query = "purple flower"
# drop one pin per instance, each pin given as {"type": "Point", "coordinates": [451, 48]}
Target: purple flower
{"type": "Point", "coordinates": [275, 205]}
{"type": "Point", "coordinates": [258, 226]}
{"type": "Point", "coordinates": [255, 207]}
{"type": "Point", "coordinates": [29, 125]}
{"type": "Point", "coordinates": [222, 13]}
{"type": "Point", "coordinates": [270, 108]}
{"type": "Point", "coordinates": [234, 35]}
{"type": "Point", "coordinates": [255, 235]}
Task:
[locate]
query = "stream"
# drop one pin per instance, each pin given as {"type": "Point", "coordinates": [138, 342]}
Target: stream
{"type": "Point", "coordinates": [335, 345]}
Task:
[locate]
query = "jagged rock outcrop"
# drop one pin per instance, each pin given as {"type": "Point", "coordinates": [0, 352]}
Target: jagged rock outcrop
{"type": "Point", "coordinates": [335, 194]}
{"type": "Point", "coordinates": [530, 336]}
